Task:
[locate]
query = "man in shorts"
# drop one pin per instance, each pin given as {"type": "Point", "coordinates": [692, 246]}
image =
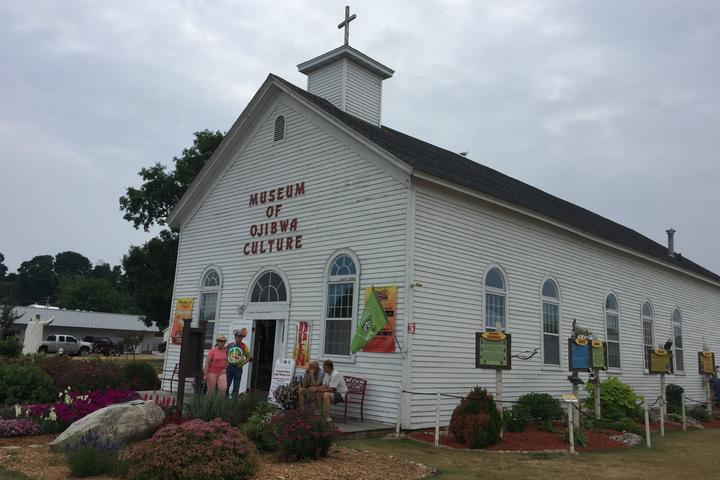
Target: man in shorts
{"type": "Point", "coordinates": [333, 388]}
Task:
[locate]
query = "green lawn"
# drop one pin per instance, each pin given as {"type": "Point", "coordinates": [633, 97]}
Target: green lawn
{"type": "Point", "coordinates": [11, 475]}
{"type": "Point", "coordinates": [692, 455]}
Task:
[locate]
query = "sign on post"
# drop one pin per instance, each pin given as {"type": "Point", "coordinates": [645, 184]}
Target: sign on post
{"type": "Point", "coordinates": [706, 363]}
{"type": "Point", "coordinates": [661, 361]}
{"type": "Point", "coordinates": [183, 311]}
{"type": "Point", "coordinates": [283, 372]}
{"type": "Point", "coordinates": [599, 355]}
{"type": "Point", "coordinates": [579, 354]}
{"type": "Point", "coordinates": [492, 350]}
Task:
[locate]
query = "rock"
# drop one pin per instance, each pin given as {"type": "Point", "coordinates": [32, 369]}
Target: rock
{"type": "Point", "coordinates": [120, 423]}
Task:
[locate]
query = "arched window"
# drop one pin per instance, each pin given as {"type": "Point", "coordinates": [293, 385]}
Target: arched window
{"type": "Point", "coordinates": [551, 323]}
{"type": "Point", "coordinates": [269, 288]}
{"type": "Point", "coordinates": [647, 328]}
{"type": "Point", "coordinates": [612, 331]}
{"type": "Point", "coordinates": [279, 128]}
{"type": "Point", "coordinates": [678, 341]}
{"type": "Point", "coordinates": [342, 286]}
{"type": "Point", "coordinates": [495, 305]}
{"type": "Point", "coordinates": [209, 293]}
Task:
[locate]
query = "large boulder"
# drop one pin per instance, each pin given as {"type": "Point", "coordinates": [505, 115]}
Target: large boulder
{"type": "Point", "coordinates": [120, 423]}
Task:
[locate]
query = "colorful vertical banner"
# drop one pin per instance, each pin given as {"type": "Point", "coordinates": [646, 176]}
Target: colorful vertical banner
{"type": "Point", "coordinates": [384, 341]}
{"type": "Point", "coordinates": [183, 310]}
{"type": "Point", "coordinates": [301, 350]}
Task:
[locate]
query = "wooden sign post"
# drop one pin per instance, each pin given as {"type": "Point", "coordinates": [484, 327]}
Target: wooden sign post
{"type": "Point", "coordinates": [706, 368]}
{"type": "Point", "coordinates": [493, 350]}
{"type": "Point", "coordinates": [661, 363]}
{"type": "Point", "coordinates": [599, 362]}
{"type": "Point", "coordinates": [191, 357]}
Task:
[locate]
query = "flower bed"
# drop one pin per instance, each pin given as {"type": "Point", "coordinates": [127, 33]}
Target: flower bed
{"type": "Point", "coordinates": [19, 427]}
{"type": "Point", "coordinates": [74, 406]}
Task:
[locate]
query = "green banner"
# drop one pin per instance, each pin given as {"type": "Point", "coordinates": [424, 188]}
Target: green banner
{"type": "Point", "coordinates": [373, 320]}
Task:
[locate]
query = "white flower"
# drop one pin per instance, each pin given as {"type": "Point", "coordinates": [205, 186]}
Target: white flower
{"type": "Point", "coordinates": [52, 416]}
{"type": "Point", "coordinates": [18, 410]}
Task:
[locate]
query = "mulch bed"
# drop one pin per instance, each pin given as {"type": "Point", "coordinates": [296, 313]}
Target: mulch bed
{"type": "Point", "coordinates": [531, 440]}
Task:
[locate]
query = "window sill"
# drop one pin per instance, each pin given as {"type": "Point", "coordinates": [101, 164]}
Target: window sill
{"type": "Point", "coordinates": [551, 368]}
{"type": "Point", "coordinates": [340, 359]}
{"type": "Point", "coordinates": [613, 371]}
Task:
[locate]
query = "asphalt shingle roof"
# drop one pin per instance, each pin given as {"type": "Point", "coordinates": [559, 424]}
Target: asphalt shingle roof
{"type": "Point", "coordinates": [450, 166]}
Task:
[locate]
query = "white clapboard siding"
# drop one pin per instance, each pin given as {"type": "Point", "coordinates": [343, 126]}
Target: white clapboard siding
{"type": "Point", "coordinates": [349, 202]}
{"type": "Point", "coordinates": [458, 239]}
{"type": "Point", "coordinates": [364, 93]}
{"type": "Point", "coordinates": [327, 82]}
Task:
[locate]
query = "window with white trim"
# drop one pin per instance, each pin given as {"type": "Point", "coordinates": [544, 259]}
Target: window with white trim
{"type": "Point", "coordinates": [270, 287]}
{"type": "Point", "coordinates": [612, 331]}
{"type": "Point", "coordinates": [495, 300]}
{"type": "Point", "coordinates": [551, 323]}
{"type": "Point", "coordinates": [342, 286]}
{"type": "Point", "coordinates": [678, 341]}
{"type": "Point", "coordinates": [647, 328]}
{"type": "Point", "coordinates": [209, 293]}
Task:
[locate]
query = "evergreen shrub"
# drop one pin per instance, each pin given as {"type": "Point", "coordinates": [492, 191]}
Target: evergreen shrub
{"type": "Point", "coordinates": [10, 348]}
{"type": "Point", "coordinates": [139, 376]}
{"type": "Point", "coordinates": [194, 450]}
{"type": "Point", "coordinates": [541, 406]}
{"type": "Point", "coordinates": [24, 383]}
{"type": "Point", "coordinates": [259, 429]}
{"type": "Point", "coordinates": [698, 412]}
{"type": "Point", "coordinates": [476, 422]}
{"type": "Point", "coordinates": [673, 394]}
{"type": "Point", "coordinates": [516, 419]}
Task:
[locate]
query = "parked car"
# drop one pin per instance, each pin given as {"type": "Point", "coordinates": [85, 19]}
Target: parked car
{"type": "Point", "coordinates": [69, 344]}
{"type": "Point", "coordinates": [103, 345]}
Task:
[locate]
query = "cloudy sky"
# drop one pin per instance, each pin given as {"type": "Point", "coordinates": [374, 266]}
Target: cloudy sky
{"type": "Point", "coordinates": [614, 106]}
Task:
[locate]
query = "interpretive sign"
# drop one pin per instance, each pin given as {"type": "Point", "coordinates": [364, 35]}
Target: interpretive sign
{"type": "Point", "coordinates": [579, 355]}
{"type": "Point", "coordinates": [183, 310]}
{"type": "Point", "coordinates": [492, 350]}
{"type": "Point", "coordinates": [706, 363]}
{"type": "Point", "coordinates": [282, 374]}
{"type": "Point", "coordinates": [384, 341]}
{"type": "Point", "coordinates": [661, 360]}
{"type": "Point", "coordinates": [599, 355]}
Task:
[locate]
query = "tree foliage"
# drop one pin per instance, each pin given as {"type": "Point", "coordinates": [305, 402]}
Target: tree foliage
{"type": "Point", "coordinates": [71, 264]}
{"type": "Point", "coordinates": [37, 281]}
{"type": "Point", "coordinates": [87, 293]}
{"type": "Point", "coordinates": [161, 189]}
{"type": "Point", "coordinates": [3, 267]}
{"type": "Point", "coordinates": [7, 318]}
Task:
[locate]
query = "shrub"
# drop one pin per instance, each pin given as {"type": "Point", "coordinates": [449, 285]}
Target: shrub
{"type": "Point", "coordinates": [81, 375]}
{"type": "Point", "coordinates": [579, 438]}
{"type": "Point", "coordinates": [620, 425]}
{"type": "Point", "coordinates": [547, 426]}
{"type": "Point", "coordinates": [194, 450]}
{"type": "Point", "coordinates": [95, 456]}
{"type": "Point", "coordinates": [541, 406]}
{"type": "Point", "coordinates": [258, 428]}
{"type": "Point", "coordinates": [673, 394]}
{"type": "Point", "coordinates": [287, 396]}
{"type": "Point", "coordinates": [699, 413]}
{"type": "Point", "coordinates": [302, 434]}
{"type": "Point", "coordinates": [475, 422]}
{"type": "Point", "coordinates": [516, 419]}
{"type": "Point", "coordinates": [24, 383]}
{"type": "Point", "coordinates": [617, 399]}
{"type": "Point", "coordinates": [139, 376]}
{"type": "Point", "coordinates": [19, 427]}
{"type": "Point", "coordinates": [10, 348]}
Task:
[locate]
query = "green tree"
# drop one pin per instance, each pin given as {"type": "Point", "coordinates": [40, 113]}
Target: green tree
{"type": "Point", "coordinates": [7, 318]}
{"type": "Point", "coordinates": [106, 272]}
{"type": "Point", "coordinates": [86, 293]}
{"type": "Point", "coordinates": [36, 280]}
{"type": "Point", "coordinates": [71, 264]}
{"type": "Point", "coordinates": [150, 268]}
{"type": "Point", "coordinates": [149, 274]}
{"type": "Point", "coordinates": [152, 202]}
{"type": "Point", "coordinates": [3, 267]}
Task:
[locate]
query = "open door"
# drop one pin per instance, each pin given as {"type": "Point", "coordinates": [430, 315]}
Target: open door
{"type": "Point", "coordinates": [263, 353]}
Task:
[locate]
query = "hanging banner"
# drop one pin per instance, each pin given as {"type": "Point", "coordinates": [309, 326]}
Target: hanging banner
{"type": "Point", "coordinates": [282, 374]}
{"type": "Point", "coordinates": [579, 355]}
{"type": "Point", "coordinates": [183, 310]}
{"type": "Point", "coordinates": [661, 360]}
{"type": "Point", "coordinates": [384, 341]}
{"type": "Point", "coordinates": [706, 363]}
{"type": "Point", "coordinates": [599, 355]}
{"type": "Point", "coordinates": [301, 350]}
{"type": "Point", "coordinates": [492, 350]}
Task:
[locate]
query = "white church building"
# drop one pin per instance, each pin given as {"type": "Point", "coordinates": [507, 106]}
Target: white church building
{"type": "Point", "coordinates": [309, 200]}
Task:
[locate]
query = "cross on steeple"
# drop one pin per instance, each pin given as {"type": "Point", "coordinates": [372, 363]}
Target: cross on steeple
{"type": "Point", "coordinates": [346, 23]}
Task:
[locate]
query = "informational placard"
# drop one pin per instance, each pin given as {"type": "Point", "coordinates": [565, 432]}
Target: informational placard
{"type": "Point", "coordinates": [283, 373]}
{"type": "Point", "coordinates": [301, 350]}
{"type": "Point", "coordinates": [599, 355]}
{"type": "Point", "coordinates": [661, 360]}
{"type": "Point", "coordinates": [183, 310]}
{"type": "Point", "coordinates": [384, 341]}
{"type": "Point", "coordinates": [493, 350]}
{"type": "Point", "coordinates": [706, 363]}
{"type": "Point", "coordinates": [569, 398]}
{"type": "Point", "coordinates": [579, 355]}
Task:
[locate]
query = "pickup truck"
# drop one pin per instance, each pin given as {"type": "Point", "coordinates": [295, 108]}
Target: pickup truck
{"type": "Point", "coordinates": [69, 344]}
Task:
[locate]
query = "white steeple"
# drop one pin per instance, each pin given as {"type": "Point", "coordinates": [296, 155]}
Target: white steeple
{"type": "Point", "coordinates": [348, 78]}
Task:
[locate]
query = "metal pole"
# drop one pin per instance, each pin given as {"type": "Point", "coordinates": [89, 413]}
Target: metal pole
{"type": "Point", "coordinates": [647, 423]}
{"type": "Point", "coordinates": [399, 412]}
{"type": "Point", "coordinates": [597, 393]}
{"type": "Point", "coordinates": [437, 419]}
{"type": "Point", "coordinates": [684, 420]}
{"type": "Point", "coordinates": [571, 429]}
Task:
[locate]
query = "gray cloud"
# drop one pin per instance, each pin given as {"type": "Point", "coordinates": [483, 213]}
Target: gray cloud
{"type": "Point", "coordinates": [613, 106]}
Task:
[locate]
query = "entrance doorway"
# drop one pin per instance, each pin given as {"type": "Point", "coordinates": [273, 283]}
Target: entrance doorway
{"type": "Point", "coordinates": [262, 354]}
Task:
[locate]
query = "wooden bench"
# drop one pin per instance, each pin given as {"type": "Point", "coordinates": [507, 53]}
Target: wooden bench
{"type": "Point", "coordinates": [163, 377]}
{"type": "Point", "coordinates": [355, 394]}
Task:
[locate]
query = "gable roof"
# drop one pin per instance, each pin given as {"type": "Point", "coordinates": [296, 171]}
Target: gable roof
{"type": "Point", "coordinates": [455, 168]}
{"type": "Point", "coordinates": [84, 319]}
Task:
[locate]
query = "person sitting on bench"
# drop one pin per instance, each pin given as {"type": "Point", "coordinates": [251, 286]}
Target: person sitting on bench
{"type": "Point", "coordinates": [313, 378]}
{"type": "Point", "coordinates": [333, 388]}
